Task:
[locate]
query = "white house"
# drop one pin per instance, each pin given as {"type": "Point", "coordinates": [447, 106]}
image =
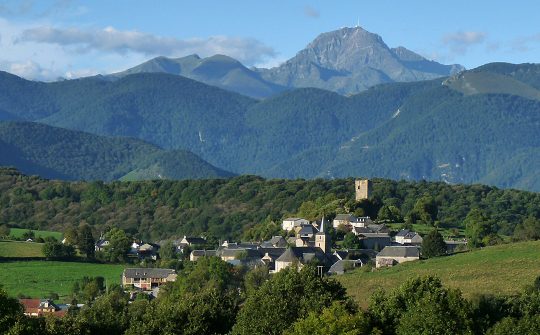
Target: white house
{"type": "Point", "coordinates": [406, 236]}
{"type": "Point", "coordinates": [350, 220]}
{"type": "Point", "coordinates": [291, 223]}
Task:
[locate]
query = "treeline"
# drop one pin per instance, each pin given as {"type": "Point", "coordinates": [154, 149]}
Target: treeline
{"type": "Point", "coordinates": [212, 297]}
{"type": "Point", "coordinates": [250, 207]}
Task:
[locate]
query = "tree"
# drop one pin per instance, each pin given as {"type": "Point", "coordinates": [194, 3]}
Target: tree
{"type": "Point", "coordinates": [71, 235]}
{"type": "Point", "coordinates": [421, 306]}
{"type": "Point", "coordinates": [351, 241]}
{"type": "Point", "coordinates": [529, 229]}
{"type": "Point", "coordinates": [425, 211]}
{"type": "Point", "coordinates": [389, 213]}
{"type": "Point", "coordinates": [119, 245]}
{"type": "Point", "coordinates": [4, 231]}
{"type": "Point", "coordinates": [167, 251]}
{"type": "Point", "coordinates": [433, 244]}
{"type": "Point", "coordinates": [10, 311]}
{"type": "Point", "coordinates": [287, 296]}
{"type": "Point", "coordinates": [57, 250]}
{"type": "Point", "coordinates": [86, 241]}
{"type": "Point", "coordinates": [477, 227]}
{"type": "Point", "coordinates": [334, 320]}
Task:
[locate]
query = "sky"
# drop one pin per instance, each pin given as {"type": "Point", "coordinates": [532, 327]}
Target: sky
{"type": "Point", "coordinates": [49, 39]}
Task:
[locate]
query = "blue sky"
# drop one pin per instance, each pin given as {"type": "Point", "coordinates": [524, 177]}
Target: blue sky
{"type": "Point", "coordinates": [47, 39]}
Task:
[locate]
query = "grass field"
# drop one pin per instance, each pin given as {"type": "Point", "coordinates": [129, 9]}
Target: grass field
{"type": "Point", "coordinates": [18, 232]}
{"type": "Point", "coordinates": [503, 269]}
{"type": "Point", "coordinates": [20, 249]}
{"type": "Point", "coordinates": [38, 278]}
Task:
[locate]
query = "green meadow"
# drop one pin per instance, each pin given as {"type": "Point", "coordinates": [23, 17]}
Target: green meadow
{"type": "Point", "coordinates": [20, 249]}
{"type": "Point", "coordinates": [18, 233]}
{"type": "Point", "coordinates": [37, 279]}
{"type": "Point", "coordinates": [503, 269]}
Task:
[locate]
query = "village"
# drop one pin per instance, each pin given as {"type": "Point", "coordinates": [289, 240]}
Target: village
{"type": "Point", "coordinates": [304, 242]}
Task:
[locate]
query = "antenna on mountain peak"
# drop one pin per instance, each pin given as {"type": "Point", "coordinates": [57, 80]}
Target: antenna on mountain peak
{"type": "Point", "coordinates": [358, 23]}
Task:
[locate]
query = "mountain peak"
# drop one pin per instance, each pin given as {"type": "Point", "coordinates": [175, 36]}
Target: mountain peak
{"type": "Point", "coordinates": [351, 59]}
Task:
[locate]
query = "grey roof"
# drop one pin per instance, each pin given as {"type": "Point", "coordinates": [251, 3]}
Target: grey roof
{"type": "Point", "coordinates": [307, 230]}
{"type": "Point", "coordinates": [287, 256]}
{"type": "Point", "coordinates": [237, 251]}
{"type": "Point", "coordinates": [379, 228]}
{"type": "Point", "coordinates": [374, 235]}
{"type": "Point", "coordinates": [276, 241]}
{"type": "Point", "coordinates": [346, 217]}
{"type": "Point", "coordinates": [339, 266]}
{"type": "Point", "coordinates": [403, 232]}
{"type": "Point", "coordinates": [202, 253]}
{"type": "Point", "coordinates": [303, 254]}
{"type": "Point", "coordinates": [195, 240]}
{"type": "Point", "coordinates": [399, 251]}
{"type": "Point", "coordinates": [147, 273]}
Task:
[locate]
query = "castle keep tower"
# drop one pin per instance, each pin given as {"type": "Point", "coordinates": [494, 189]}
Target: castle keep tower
{"type": "Point", "coordinates": [363, 189]}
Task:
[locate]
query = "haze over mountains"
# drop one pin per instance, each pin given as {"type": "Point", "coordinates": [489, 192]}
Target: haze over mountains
{"type": "Point", "coordinates": [346, 61]}
{"type": "Point", "coordinates": [480, 125]}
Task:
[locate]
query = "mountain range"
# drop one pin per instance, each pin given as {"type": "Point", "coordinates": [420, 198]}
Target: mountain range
{"type": "Point", "coordinates": [480, 125]}
{"type": "Point", "coordinates": [346, 61]}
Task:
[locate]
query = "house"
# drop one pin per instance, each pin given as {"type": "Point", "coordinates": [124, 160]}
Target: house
{"type": "Point", "coordinates": [349, 220]}
{"type": "Point", "coordinates": [374, 241]}
{"type": "Point", "coordinates": [238, 253]}
{"type": "Point", "coordinates": [406, 236]}
{"type": "Point", "coordinates": [101, 244]}
{"type": "Point", "coordinates": [40, 307]}
{"type": "Point", "coordinates": [275, 242]}
{"type": "Point", "coordinates": [196, 254]}
{"type": "Point", "coordinates": [392, 255]}
{"type": "Point", "coordinates": [300, 257]}
{"type": "Point", "coordinates": [147, 279]}
{"type": "Point", "coordinates": [148, 250]}
{"type": "Point", "coordinates": [290, 223]}
{"type": "Point", "coordinates": [190, 241]}
{"type": "Point", "coordinates": [341, 266]}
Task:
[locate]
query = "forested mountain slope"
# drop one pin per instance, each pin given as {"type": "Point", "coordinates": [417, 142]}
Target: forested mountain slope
{"type": "Point", "coordinates": [66, 154]}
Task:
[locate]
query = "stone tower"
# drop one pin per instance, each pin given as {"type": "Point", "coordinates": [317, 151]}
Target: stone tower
{"type": "Point", "coordinates": [363, 189]}
{"type": "Point", "coordinates": [322, 239]}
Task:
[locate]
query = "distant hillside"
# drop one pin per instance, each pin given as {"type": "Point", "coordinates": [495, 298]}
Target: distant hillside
{"type": "Point", "coordinates": [219, 70]}
{"type": "Point", "coordinates": [65, 154]}
{"type": "Point", "coordinates": [503, 269]}
{"type": "Point", "coordinates": [350, 60]}
{"type": "Point", "coordinates": [477, 126]}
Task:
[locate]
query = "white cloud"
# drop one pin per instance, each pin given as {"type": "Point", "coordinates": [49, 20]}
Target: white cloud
{"type": "Point", "coordinates": [460, 42]}
{"type": "Point", "coordinates": [111, 40]}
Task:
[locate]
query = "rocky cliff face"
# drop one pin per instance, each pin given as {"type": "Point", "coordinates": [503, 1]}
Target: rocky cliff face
{"type": "Point", "coordinates": [350, 60]}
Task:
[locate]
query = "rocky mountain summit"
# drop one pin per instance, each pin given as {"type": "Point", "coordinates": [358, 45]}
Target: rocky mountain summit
{"type": "Point", "coordinates": [350, 60]}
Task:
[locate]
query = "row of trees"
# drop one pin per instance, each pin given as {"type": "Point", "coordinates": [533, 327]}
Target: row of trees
{"type": "Point", "coordinates": [211, 297]}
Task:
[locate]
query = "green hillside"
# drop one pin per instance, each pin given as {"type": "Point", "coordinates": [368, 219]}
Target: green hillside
{"type": "Point", "coordinates": [239, 208]}
{"type": "Point", "coordinates": [10, 249]}
{"type": "Point", "coordinates": [500, 270]}
{"type": "Point", "coordinates": [65, 154]}
{"type": "Point", "coordinates": [18, 233]}
{"type": "Point", "coordinates": [37, 279]}
{"type": "Point", "coordinates": [479, 126]}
